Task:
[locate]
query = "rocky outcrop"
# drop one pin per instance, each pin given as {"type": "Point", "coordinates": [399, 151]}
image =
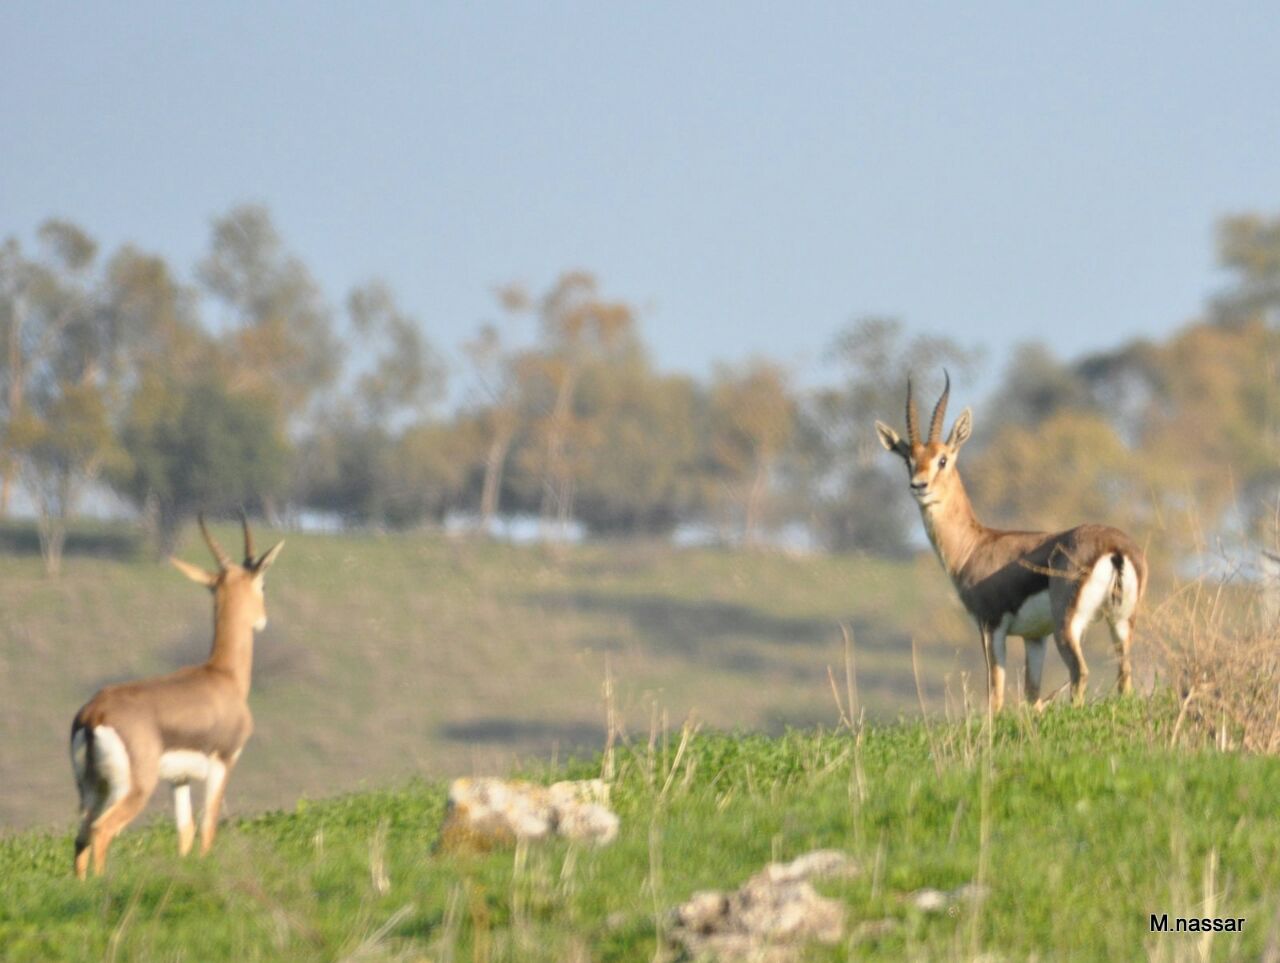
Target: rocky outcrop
{"type": "Point", "coordinates": [771, 917]}
{"type": "Point", "coordinates": [483, 813]}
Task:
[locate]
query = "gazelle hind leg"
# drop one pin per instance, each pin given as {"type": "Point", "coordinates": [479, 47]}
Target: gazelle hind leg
{"type": "Point", "coordinates": [102, 772]}
{"type": "Point", "coordinates": [1087, 600]}
{"type": "Point", "coordinates": [1122, 637]}
{"type": "Point", "coordinates": [91, 806]}
{"type": "Point", "coordinates": [90, 799]}
{"type": "Point", "coordinates": [117, 816]}
{"type": "Point", "coordinates": [1068, 641]}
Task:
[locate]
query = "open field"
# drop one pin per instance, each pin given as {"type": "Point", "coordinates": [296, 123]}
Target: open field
{"type": "Point", "coordinates": [415, 655]}
{"type": "Point", "coordinates": [1081, 823]}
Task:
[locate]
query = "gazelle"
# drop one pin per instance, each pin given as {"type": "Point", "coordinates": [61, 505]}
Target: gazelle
{"type": "Point", "coordinates": [1028, 584]}
{"type": "Point", "coordinates": [188, 725]}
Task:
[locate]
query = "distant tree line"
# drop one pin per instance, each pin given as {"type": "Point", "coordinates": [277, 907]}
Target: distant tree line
{"type": "Point", "coordinates": [245, 386]}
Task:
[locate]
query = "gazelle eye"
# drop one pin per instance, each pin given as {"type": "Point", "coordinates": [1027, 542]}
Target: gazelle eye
{"type": "Point", "coordinates": [942, 462]}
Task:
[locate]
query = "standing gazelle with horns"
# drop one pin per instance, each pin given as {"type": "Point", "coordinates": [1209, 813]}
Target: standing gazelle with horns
{"type": "Point", "coordinates": [1028, 584]}
{"type": "Point", "coordinates": [188, 725]}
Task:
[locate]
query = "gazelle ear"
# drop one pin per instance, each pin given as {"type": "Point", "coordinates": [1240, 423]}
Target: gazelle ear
{"type": "Point", "coordinates": [961, 429]}
{"type": "Point", "coordinates": [269, 556]}
{"type": "Point", "coordinates": [194, 572]}
{"type": "Point", "coordinates": [889, 438]}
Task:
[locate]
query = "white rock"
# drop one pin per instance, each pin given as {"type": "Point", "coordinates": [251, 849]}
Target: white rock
{"type": "Point", "coordinates": [929, 900]}
{"type": "Point", "coordinates": [486, 812]}
{"type": "Point", "coordinates": [587, 822]}
{"type": "Point", "coordinates": [772, 916]}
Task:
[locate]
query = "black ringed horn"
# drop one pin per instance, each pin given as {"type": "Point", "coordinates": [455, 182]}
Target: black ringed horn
{"type": "Point", "coordinates": [913, 418]}
{"type": "Point", "coordinates": [223, 559]}
{"type": "Point", "coordinates": [940, 410]}
{"type": "Point", "coordinates": [248, 539]}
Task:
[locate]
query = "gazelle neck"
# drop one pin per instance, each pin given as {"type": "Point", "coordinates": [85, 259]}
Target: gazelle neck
{"type": "Point", "coordinates": [952, 527]}
{"type": "Point", "coordinates": [232, 650]}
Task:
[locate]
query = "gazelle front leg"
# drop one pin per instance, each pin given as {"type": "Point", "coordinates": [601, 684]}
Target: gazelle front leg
{"type": "Point", "coordinates": [1034, 669]}
{"type": "Point", "coordinates": [993, 648]}
{"type": "Point", "coordinates": [182, 816]}
{"type": "Point", "coordinates": [214, 788]}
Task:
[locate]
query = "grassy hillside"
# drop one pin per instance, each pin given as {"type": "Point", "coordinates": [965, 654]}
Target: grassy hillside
{"type": "Point", "coordinates": [1080, 822]}
{"type": "Point", "coordinates": [420, 655]}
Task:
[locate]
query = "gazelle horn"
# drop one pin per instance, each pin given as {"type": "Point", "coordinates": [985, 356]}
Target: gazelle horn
{"type": "Point", "coordinates": [940, 410]}
{"type": "Point", "coordinates": [224, 560]}
{"type": "Point", "coordinates": [913, 419]}
{"type": "Point", "coordinates": [248, 539]}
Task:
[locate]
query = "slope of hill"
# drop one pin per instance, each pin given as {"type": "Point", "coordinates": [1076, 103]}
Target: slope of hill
{"type": "Point", "coordinates": [417, 654]}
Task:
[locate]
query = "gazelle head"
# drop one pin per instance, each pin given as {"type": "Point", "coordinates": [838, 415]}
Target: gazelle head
{"type": "Point", "coordinates": [236, 588]}
{"type": "Point", "coordinates": [930, 464]}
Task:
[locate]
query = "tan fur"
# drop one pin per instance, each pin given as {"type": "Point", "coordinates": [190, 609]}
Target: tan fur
{"type": "Point", "coordinates": [996, 572]}
{"type": "Point", "coordinates": [202, 708]}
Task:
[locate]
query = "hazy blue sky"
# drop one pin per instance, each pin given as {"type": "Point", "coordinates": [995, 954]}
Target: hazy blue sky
{"type": "Point", "coordinates": [752, 175]}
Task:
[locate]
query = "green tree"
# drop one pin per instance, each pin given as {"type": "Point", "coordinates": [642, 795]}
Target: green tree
{"type": "Point", "coordinates": [1210, 430]}
{"type": "Point", "coordinates": [752, 416]}
{"type": "Point", "coordinates": [155, 318]}
{"type": "Point", "coordinates": [427, 471]}
{"type": "Point", "coordinates": [499, 375]}
{"type": "Point", "coordinates": [40, 299]}
{"type": "Point", "coordinates": [1071, 467]}
{"type": "Point", "coordinates": [165, 353]}
{"type": "Point", "coordinates": [369, 476]}
{"type": "Point", "coordinates": [209, 450]}
{"type": "Point", "coordinates": [1036, 386]}
{"type": "Point", "coordinates": [578, 327]}
{"type": "Point", "coordinates": [1249, 248]}
{"type": "Point", "coordinates": [279, 338]}
{"type": "Point", "coordinates": [860, 501]}
{"type": "Point", "coordinates": [405, 375]}
{"type": "Point", "coordinates": [62, 371]}
{"type": "Point", "coordinates": [342, 469]}
{"type": "Point", "coordinates": [63, 443]}
{"type": "Point", "coordinates": [1203, 407]}
{"type": "Point", "coordinates": [349, 462]}
{"type": "Point", "coordinates": [641, 475]}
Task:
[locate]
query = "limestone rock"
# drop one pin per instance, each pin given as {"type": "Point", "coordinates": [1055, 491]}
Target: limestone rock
{"type": "Point", "coordinates": [487, 812]}
{"type": "Point", "coordinates": [769, 918]}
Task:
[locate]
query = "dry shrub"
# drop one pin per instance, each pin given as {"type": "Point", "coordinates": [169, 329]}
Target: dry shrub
{"type": "Point", "coordinates": [1219, 650]}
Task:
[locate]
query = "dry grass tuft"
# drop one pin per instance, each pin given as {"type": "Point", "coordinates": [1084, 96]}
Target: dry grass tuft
{"type": "Point", "coordinates": [1220, 654]}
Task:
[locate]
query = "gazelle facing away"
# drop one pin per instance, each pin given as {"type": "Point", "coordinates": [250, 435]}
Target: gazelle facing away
{"type": "Point", "coordinates": [188, 725]}
{"type": "Point", "coordinates": [1028, 584]}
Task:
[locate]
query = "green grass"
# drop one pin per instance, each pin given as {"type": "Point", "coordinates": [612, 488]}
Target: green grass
{"type": "Point", "coordinates": [1081, 822]}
